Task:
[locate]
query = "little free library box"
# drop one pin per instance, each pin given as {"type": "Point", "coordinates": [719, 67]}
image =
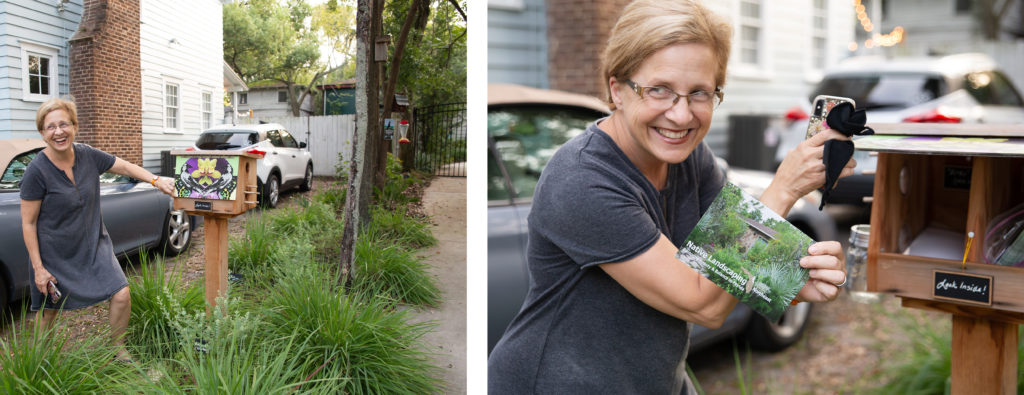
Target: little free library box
{"type": "Point", "coordinates": [935, 185]}
{"type": "Point", "coordinates": [216, 185]}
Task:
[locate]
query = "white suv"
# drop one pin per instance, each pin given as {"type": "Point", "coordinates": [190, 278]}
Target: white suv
{"type": "Point", "coordinates": [286, 163]}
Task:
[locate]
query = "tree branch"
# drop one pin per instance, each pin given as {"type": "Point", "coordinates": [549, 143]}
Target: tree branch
{"type": "Point", "coordinates": [456, 4]}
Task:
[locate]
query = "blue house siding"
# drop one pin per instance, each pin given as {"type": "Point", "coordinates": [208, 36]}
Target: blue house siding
{"type": "Point", "coordinates": [31, 22]}
{"type": "Point", "coordinates": [517, 49]}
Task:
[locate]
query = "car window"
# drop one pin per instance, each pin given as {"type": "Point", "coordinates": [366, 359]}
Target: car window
{"type": "Point", "coordinates": [275, 138]}
{"type": "Point", "coordinates": [226, 140]}
{"type": "Point", "coordinates": [288, 140]}
{"type": "Point", "coordinates": [992, 88]}
{"type": "Point", "coordinates": [890, 91]}
{"type": "Point", "coordinates": [497, 190]}
{"type": "Point", "coordinates": [16, 170]}
{"type": "Point", "coordinates": [527, 136]}
{"type": "Point", "coordinates": [114, 178]}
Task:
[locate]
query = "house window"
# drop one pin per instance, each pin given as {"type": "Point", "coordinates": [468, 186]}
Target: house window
{"type": "Point", "coordinates": [751, 32]}
{"type": "Point", "coordinates": [38, 72]}
{"type": "Point", "coordinates": [171, 106]}
{"type": "Point", "coordinates": [243, 98]}
{"type": "Point", "coordinates": [207, 110]}
{"type": "Point", "coordinates": [282, 96]}
{"type": "Point", "coordinates": [819, 34]}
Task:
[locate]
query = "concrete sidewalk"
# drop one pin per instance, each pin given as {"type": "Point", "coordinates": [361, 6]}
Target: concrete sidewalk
{"type": "Point", "coordinates": [445, 201]}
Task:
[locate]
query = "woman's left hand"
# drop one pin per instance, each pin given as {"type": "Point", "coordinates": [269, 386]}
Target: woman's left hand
{"type": "Point", "coordinates": [165, 185]}
{"type": "Point", "coordinates": [826, 264]}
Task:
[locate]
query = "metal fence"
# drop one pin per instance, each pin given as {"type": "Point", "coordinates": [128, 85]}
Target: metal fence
{"type": "Point", "coordinates": [440, 139]}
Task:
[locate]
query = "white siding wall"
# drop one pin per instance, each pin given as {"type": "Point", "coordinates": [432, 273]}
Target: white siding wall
{"type": "Point", "coordinates": [517, 50]}
{"type": "Point", "coordinates": [786, 75]}
{"type": "Point", "coordinates": [263, 103]}
{"type": "Point", "coordinates": [180, 42]}
{"type": "Point", "coordinates": [37, 22]}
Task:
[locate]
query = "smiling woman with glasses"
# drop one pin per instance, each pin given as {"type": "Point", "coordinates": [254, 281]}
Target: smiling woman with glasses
{"type": "Point", "coordinates": [610, 307]}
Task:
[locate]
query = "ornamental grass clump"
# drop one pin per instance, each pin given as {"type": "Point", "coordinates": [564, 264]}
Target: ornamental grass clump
{"type": "Point", "coordinates": [355, 344]}
{"type": "Point", "coordinates": [398, 228]}
{"type": "Point", "coordinates": [157, 299]}
{"type": "Point", "coordinates": [38, 361]}
{"type": "Point", "coordinates": [392, 272]}
{"type": "Point", "coordinates": [232, 352]}
{"type": "Point", "coordinates": [252, 252]}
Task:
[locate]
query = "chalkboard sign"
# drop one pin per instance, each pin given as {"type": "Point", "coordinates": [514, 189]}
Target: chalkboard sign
{"type": "Point", "coordinates": [203, 205]}
{"type": "Point", "coordinates": [961, 287]}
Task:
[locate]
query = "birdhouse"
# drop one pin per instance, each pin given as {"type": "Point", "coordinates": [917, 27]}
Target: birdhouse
{"type": "Point", "coordinates": [215, 183]}
{"type": "Point", "coordinates": [936, 186]}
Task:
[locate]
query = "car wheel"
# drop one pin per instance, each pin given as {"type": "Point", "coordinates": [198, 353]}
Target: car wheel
{"type": "Point", "coordinates": [307, 183]}
{"type": "Point", "coordinates": [271, 191]}
{"type": "Point", "coordinates": [771, 336]}
{"type": "Point", "coordinates": [177, 233]}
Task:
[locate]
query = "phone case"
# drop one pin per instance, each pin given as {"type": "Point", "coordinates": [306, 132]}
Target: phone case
{"type": "Point", "coordinates": [820, 107]}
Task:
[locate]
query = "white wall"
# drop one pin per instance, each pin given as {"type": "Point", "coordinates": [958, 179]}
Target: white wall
{"type": "Point", "coordinates": [786, 76]}
{"type": "Point", "coordinates": [31, 22]}
{"type": "Point", "coordinates": [180, 42]}
{"type": "Point", "coordinates": [325, 136]}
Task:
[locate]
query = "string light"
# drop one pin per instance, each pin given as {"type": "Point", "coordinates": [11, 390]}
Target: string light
{"type": "Point", "coordinates": [883, 40]}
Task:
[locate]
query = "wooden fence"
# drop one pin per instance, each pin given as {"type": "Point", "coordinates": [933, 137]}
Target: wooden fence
{"type": "Point", "coordinates": [325, 136]}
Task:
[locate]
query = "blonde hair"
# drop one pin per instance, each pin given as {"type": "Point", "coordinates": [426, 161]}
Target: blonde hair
{"type": "Point", "coordinates": [647, 26]}
{"type": "Point", "coordinates": [55, 104]}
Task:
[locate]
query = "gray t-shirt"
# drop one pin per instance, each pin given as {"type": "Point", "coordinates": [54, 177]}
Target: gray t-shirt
{"type": "Point", "coordinates": [73, 243]}
{"type": "Point", "coordinates": [579, 331]}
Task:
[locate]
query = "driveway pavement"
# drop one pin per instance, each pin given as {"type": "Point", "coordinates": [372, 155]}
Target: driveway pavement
{"type": "Point", "coordinates": [445, 201]}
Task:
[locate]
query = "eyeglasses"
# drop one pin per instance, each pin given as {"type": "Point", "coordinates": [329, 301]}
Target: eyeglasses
{"type": "Point", "coordinates": [63, 126]}
{"type": "Point", "coordinates": [662, 98]}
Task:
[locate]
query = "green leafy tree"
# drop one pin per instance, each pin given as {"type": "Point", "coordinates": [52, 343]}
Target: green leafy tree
{"type": "Point", "coordinates": [267, 40]}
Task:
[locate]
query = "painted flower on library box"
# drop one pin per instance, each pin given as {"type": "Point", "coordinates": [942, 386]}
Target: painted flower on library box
{"type": "Point", "coordinates": [206, 177]}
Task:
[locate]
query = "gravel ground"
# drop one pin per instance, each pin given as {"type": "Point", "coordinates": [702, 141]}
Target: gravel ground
{"type": "Point", "coordinates": [846, 349]}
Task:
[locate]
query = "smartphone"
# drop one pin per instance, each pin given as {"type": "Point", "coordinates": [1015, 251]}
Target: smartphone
{"type": "Point", "coordinates": [821, 105]}
{"type": "Point", "coordinates": [54, 292]}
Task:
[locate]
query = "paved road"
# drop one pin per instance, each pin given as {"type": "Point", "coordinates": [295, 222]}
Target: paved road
{"type": "Point", "coordinates": [445, 201]}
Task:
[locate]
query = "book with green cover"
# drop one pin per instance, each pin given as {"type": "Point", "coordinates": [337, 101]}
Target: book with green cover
{"type": "Point", "coordinates": [750, 251]}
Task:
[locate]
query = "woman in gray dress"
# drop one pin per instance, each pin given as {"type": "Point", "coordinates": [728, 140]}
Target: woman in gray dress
{"type": "Point", "coordinates": [63, 227]}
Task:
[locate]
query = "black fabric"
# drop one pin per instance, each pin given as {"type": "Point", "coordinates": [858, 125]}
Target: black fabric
{"type": "Point", "coordinates": [579, 331]}
{"type": "Point", "coordinates": [848, 121]}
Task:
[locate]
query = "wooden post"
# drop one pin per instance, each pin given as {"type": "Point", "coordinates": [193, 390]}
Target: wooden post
{"type": "Point", "coordinates": [216, 245]}
{"type": "Point", "coordinates": [984, 358]}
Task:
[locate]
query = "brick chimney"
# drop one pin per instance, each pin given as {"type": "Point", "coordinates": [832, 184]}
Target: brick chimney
{"type": "Point", "coordinates": [106, 78]}
{"type": "Point", "coordinates": [578, 31]}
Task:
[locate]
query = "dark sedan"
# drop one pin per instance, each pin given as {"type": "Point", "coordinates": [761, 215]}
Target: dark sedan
{"type": "Point", "coordinates": [136, 215]}
{"type": "Point", "coordinates": [525, 127]}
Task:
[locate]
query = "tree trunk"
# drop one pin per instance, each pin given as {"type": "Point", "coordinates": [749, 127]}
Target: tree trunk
{"type": "Point", "coordinates": [357, 200]}
{"type": "Point", "coordinates": [389, 89]}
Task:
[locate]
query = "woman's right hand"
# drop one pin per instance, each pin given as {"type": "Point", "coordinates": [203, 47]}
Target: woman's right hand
{"type": "Point", "coordinates": [43, 277]}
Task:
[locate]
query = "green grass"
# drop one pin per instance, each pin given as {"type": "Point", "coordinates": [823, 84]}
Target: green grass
{"type": "Point", "coordinates": [287, 328]}
{"type": "Point", "coordinates": [36, 361]}
{"type": "Point", "coordinates": [157, 300]}
{"type": "Point", "coordinates": [358, 337]}
{"type": "Point", "coordinates": [392, 272]}
{"type": "Point", "coordinates": [399, 228]}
